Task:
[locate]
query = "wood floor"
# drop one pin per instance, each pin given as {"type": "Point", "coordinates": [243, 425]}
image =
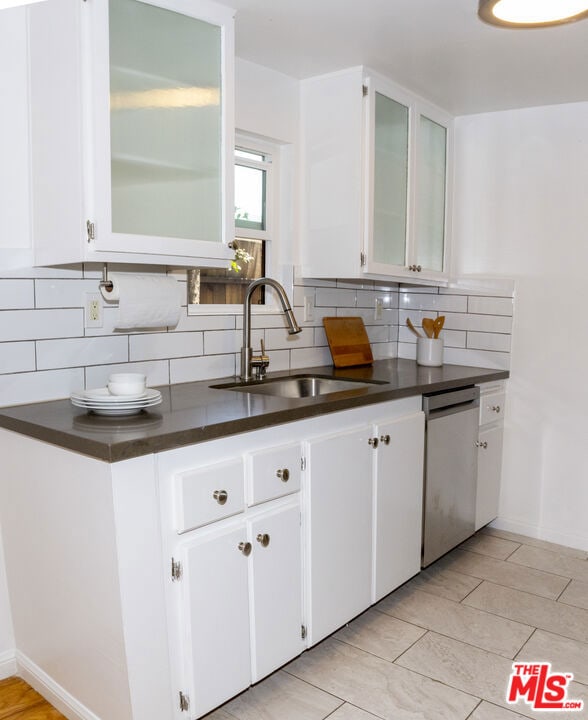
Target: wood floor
{"type": "Point", "coordinates": [18, 701]}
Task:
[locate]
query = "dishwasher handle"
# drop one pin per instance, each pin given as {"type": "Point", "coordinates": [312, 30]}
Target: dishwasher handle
{"type": "Point", "coordinates": [447, 403]}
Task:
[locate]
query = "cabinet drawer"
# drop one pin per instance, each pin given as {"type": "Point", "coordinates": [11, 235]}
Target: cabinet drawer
{"type": "Point", "coordinates": [273, 473]}
{"type": "Point", "coordinates": [208, 494]}
{"type": "Point", "coordinates": [491, 407]}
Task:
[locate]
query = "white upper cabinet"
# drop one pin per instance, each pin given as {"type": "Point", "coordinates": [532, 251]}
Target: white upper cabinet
{"type": "Point", "coordinates": [376, 190]}
{"type": "Point", "coordinates": [146, 91]}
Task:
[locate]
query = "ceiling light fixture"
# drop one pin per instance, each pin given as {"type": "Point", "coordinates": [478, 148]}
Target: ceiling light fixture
{"type": "Point", "coordinates": [532, 13]}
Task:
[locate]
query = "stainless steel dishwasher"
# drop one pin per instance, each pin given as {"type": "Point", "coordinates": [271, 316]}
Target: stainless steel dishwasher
{"type": "Point", "coordinates": [451, 457]}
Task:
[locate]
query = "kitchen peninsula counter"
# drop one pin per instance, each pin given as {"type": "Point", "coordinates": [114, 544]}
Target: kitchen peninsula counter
{"type": "Point", "coordinates": [196, 412]}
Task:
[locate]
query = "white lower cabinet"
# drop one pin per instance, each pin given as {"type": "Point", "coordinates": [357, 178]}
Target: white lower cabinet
{"type": "Point", "coordinates": [492, 398]}
{"type": "Point", "coordinates": [398, 502]}
{"type": "Point", "coordinates": [240, 608]}
{"type": "Point", "coordinates": [339, 529]}
{"type": "Point", "coordinates": [330, 524]}
{"type": "Point", "coordinates": [275, 589]}
{"type": "Point", "coordinates": [214, 618]}
{"type": "Point", "coordinates": [364, 515]}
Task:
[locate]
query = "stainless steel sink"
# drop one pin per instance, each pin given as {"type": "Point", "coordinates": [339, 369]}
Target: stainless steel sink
{"type": "Point", "coordinates": [301, 386]}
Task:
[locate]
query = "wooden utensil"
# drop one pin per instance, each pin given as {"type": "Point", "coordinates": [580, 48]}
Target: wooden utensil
{"type": "Point", "coordinates": [438, 325]}
{"type": "Point", "coordinates": [428, 326]}
{"type": "Point", "coordinates": [412, 328]}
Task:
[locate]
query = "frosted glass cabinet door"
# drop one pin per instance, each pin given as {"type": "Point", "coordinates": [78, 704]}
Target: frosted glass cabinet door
{"type": "Point", "coordinates": [390, 184]}
{"type": "Point", "coordinates": [430, 194]}
{"type": "Point", "coordinates": [165, 122]}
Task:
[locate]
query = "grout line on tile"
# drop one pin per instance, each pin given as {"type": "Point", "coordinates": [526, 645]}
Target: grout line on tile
{"type": "Point", "coordinates": [335, 710]}
{"type": "Point", "coordinates": [563, 591]}
{"type": "Point", "coordinates": [471, 715]}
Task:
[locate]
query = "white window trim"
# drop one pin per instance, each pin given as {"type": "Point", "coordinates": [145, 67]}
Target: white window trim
{"type": "Point", "coordinates": [254, 144]}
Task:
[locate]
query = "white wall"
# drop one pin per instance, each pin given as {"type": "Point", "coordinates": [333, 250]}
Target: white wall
{"type": "Point", "coordinates": [521, 210]}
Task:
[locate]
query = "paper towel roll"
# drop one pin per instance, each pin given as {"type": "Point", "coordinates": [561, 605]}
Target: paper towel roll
{"type": "Point", "coordinates": [144, 301]}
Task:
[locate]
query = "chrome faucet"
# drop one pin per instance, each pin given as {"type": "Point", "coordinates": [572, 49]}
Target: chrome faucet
{"type": "Point", "coordinates": [260, 362]}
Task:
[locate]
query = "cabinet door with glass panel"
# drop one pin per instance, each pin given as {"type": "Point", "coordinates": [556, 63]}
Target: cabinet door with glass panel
{"type": "Point", "coordinates": [161, 126]}
{"type": "Point", "coordinates": [406, 152]}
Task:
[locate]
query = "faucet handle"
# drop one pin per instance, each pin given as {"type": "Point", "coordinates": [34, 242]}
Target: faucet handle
{"type": "Point", "coordinates": [259, 363]}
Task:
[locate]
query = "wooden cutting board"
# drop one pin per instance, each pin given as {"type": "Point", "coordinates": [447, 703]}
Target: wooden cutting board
{"type": "Point", "coordinates": [348, 341]}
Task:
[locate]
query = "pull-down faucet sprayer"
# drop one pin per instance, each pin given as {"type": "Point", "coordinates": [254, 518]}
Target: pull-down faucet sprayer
{"type": "Point", "coordinates": [260, 362]}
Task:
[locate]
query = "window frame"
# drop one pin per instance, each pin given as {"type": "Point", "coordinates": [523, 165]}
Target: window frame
{"type": "Point", "coordinates": [252, 144]}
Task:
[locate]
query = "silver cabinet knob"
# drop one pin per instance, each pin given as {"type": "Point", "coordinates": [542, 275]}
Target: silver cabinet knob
{"type": "Point", "coordinates": [385, 439]}
{"type": "Point", "coordinates": [221, 496]}
{"type": "Point", "coordinates": [482, 445]}
{"type": "Point", "coordinates": [373, 442]}
{"type": "Point", "coordinates": [263, 539]}
{"type": "Point", "coordinates": [495, 408]}
{"type": "Point", "coordinates": [418, 268]}
{"type": "Point", "coordinates": [283, 474]}
{"type": "Point", "coordinates": [245, 548]}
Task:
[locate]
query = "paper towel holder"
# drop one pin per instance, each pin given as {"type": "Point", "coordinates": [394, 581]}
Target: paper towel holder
{"type": "Point", "coordinates": [105, 283]}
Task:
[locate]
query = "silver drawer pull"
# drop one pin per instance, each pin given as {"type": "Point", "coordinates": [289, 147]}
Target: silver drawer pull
{"type": "Point", "coordinates": [221, 496]}
{"type": "Point", "coordinates": [245, 548]}
{"type": "Point", "coordinates": [482, 445]}
{"type": "Point", "coordinates": [495, 408]}
{"type": "Point", "coordinates": [373, 442]}
{"type": "Point", "coordinates": [263, 539]}
{"type": "Point", "coordinates": [385, 439]}
{"type": "Point", "coordinates": [283, 474]}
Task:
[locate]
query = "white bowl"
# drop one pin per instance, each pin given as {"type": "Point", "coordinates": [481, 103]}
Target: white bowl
{"type": "Point", "coordinates": [127, 384]}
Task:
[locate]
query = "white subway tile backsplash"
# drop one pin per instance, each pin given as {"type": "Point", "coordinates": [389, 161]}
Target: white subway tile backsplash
{"type": "Point", "coordinates": [433, 302]}
{"type": "Point", "coordinates": [477, 358]}
{"type": "Point", "coordinates": [490, 305]}
{"type": "Point", "coordinates": [59, 293]}
{"type": "Point", "coordinates": [204, 322]}
{"type": "Point", "coordinates": [218, 342]}
{"type": "Point", "coordinates": [335, 297]}
{"type": "Point", "coordinates": [160, 346]}
{"type": "Point", "coordinates": [17, 294]}
{"type": "Point", "coordinates": [46, 353]}
{"type": "Point", "coordinates": [479, 323]}
{"type": "Point", "coordinates": [157, 372]}
{"type": "Point", "coordinates": [40, 324]}
{"type": "Point", "coordinates": [488, 341]}
{"type": "Point", "coordinates": [206, 367]}
{"type": "Point", "coordinates": [79, 352]}
{"type": "Point", "coordinates": [380, 351]}
{"type": "Point", "coordinates": [40, 386]}
{"type": "Point", "coordinates": [17, 357]}
{"type": "Point", "coordinates": [378, 333]}
{"type": "Point", "coordinates": [309, 357]}
{"type": "Point", "coordinates": [280, 340]}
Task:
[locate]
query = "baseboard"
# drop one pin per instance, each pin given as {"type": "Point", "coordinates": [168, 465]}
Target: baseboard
{"type": "Point", "coordinates": [7, 664]}
{"type": "Point", "coordinates": [50, 690]}
{"type": "Point", "coordinates": [533, 531]}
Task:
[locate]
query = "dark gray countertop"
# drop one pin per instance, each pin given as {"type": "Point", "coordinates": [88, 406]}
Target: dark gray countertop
{"type": "Point", "coordinates": [194, 412]}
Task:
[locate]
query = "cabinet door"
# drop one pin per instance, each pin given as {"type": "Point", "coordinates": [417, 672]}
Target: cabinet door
{"type": "Point", "coordinates": [431, 194]}
{"type": "Point", "coordinates": [215, 618]}
{"type": "Point", "coordinates": [339, 529]}
{"type": "Point", "coordinates": [276, 589]}
{"type": "Point", "coordinates": [489, 471]}
{"type": "Point", "coordinates": [388, 177]}
{"type": "Point", "coordinates": [162, 141]}
{"type": "Point", "coordinates": [398, 503]}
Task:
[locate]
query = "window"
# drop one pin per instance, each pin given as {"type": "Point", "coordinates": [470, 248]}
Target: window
{"type": "Point", "coordinates": [253, 173]}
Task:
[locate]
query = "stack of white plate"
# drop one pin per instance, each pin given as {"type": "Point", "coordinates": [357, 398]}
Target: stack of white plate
{"type": "Point", "coordinates": [101, 402]}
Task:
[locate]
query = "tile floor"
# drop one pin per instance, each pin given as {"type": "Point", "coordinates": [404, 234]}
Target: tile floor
{"type": "Point", "coordinates": [441, 647]}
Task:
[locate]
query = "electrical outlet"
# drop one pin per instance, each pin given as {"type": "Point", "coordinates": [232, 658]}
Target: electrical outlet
{"type": "Point", "coordinates": [378, 308]}
{"type": "Point", "coordinates": [308, 308]}
{"type": "Point", "coordinates": [93, 310]}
